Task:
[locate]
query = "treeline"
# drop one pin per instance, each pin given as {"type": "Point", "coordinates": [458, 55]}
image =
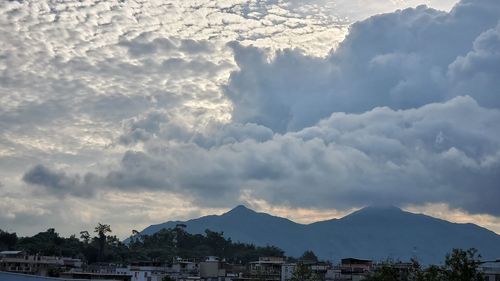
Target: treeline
{"type": "Point", "coordinates": [459, 265]}
{"type": "Point", "coordinates": [163, 246]}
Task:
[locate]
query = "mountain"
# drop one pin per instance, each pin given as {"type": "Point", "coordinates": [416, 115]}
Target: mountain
{"type": "Point", "coordinates": [377, 233]}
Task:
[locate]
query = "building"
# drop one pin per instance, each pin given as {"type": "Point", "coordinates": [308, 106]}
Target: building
{"type": "Point", "coordinates": [319, 269]}
{"type": "Point", "coordinates": [350, 269]}
{"type": "Point", "coordinates": [212, 269]}
{"type": "Point", "coordinates": [491, 271]}
{"type": "Point", "coordinates": [94, 276]}
{"type": "Point", "coordinates": [287, 271]}
{"type": "Point", "coordinates": [145, 271]}
{"type": "Point", "coordinates": [9, 276]}
{"type": "Point", "coordinates": [20, 262]}
{"type": "Point", "coordinates": [266, 268]}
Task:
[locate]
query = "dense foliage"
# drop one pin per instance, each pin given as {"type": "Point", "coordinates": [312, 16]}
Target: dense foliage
{"type": "Point", "coordinates": [169, 243]}
{"type": "Point", "coordinates": [460, 265]}
{"type": "Point", "coordinates": [162, 246]}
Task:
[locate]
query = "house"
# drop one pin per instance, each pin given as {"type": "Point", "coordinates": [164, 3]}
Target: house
{"type": "Point", "coordinates": [266, 268]}
{"type": "Point", "coordinates": [145, 271]}
{"type": "Point", "coordinates": [317, 268]}
{"type": "Point", "coordinates": [20, 262]}
{"type": "Point", "coordinates": [491, 271]}
{"type": "Point", "coordinates": [9, 276]}
{"type": "Point", "coordinates": [94, 276]}
{"type": "Point", "coordinates": [287, 271]}
{"type": "Point", "coordinates": [350, 269]}
{"type": "Point", "coordinates": [212, 269]}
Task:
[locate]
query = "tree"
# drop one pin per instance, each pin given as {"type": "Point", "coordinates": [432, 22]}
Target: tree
{"type": "Point", "coordinates": [432, 273]}
{"type": "Point", "coordinates": [304, 273]}
{"type": "Point", "coordinates": [101, 230]}
{"type": "Point", "coordinates": [309, 256]}
{"type": "Point", "coordinates": [386, 272]}
{"type": "Point", "coordinates": [462, 265]}
{"type": "Point", "coordinates": [85, 236]}
{"type": "Point", "coordinates": [7, 240]}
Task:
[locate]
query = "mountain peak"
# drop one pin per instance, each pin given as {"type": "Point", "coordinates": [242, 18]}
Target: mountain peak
{"type": "Point", "coordinates": [377, 211]}
{"type": "Point", "coordinates": [381, 208]}
{"type": "Point", "coordinates": [375, 232]}
{"type": "Point", "coordinates": [240, 209]}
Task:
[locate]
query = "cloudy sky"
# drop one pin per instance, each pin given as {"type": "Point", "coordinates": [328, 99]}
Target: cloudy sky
{"type": "Point", "coordinates": [133, 112]}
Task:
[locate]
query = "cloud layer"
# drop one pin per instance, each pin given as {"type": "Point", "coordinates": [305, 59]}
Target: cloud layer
{"type": "Point", "coordinates": [220, 102]}
{"type": "Point", "coordinates": [402, 60]}
{"type": "Point", "coordinates": [447, 152]}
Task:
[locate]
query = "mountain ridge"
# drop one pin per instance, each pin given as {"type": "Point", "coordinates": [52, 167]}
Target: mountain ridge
{"type": "Point", "coordinates": [375, 232]}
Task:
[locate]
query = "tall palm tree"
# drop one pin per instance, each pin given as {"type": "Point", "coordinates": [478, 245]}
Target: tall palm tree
{"type": "Point", "coordinates": [101, 230]}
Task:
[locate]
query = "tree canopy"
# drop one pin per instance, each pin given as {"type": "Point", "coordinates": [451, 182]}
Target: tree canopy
{"type": "Point", "coordinates": [162, 246]}
{"type": "Point", "coordinates": [459, 265]}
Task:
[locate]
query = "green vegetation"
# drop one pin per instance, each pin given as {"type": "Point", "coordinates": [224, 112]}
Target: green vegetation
{"type": "Point", "coordinates": [168, 244]}
{"type": "Point", "coordinates": [164, 245]}
{"type": "Point", "coordinates": [304, 273]}
{"type": "Point", "coordinates": [460, 265]}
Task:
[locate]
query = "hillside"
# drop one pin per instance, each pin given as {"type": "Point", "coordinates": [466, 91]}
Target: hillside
{"type": "Point", "coordinates": [374, 232]}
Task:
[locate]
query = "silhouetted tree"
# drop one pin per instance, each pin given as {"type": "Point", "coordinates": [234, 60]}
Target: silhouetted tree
{"type": "Point", "coordinates": [309, 256]}
{"type": "Point", "coordinates": [462, 265]}
{"type": "Point", "coordinates": [7, 240]}
{"type": "Point", "coordinates": [101, 230]}
{"type": "Point", "coordinates": [303, 273]}
{"type": "Point", "coordinates": [85, 236]}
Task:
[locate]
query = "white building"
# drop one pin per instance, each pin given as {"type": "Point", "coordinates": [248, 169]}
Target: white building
{"type": "Point", "coordinates": [287, 271]}
{"type": "Point", "coordinates": [144, 271]}
{"type": "Point", "coordinates": [491, 271]}
{"type": "Point", "coordinates": [20, 262]}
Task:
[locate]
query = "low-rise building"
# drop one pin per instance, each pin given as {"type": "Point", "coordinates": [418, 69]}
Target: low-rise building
{"type": "Point", "coordinates": [266, 268]}
{"type": "Point", "coordinates": [9, 276]}
{"type": "Point", "coordinates": [350, 269]}
{"type": "Point", "coordinates": [491, 271]}
{"type": "Point", "coordinates": [20, 262]}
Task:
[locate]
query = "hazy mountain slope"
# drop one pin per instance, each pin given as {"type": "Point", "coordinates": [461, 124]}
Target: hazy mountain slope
{"type": "Point", "coordinates": [373, 232]}
{"type": "Point", "coordinates": [245, 225]}
{"type": "Point", "coordinates": [382, 233]}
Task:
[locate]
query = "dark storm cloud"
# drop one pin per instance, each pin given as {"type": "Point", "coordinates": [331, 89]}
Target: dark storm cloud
{"type": "Point", "coordinates": [59, 183]}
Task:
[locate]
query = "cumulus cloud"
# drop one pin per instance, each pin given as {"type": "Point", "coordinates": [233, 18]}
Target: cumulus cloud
{"type": "Point", "coordinates": [402, 60]}
{"type": "Point", "coordinates": [429, 154]}
{"type": "Point", "coordinates": [59, 183]}
{"type": "Point", "coordinates": [478, 70]}
{"type": "Point", "coordinates": [420, 143]}
{"type": "Point", "coordinates": [444, 152]}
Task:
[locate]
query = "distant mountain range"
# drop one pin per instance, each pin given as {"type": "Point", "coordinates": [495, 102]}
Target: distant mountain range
{"type": "Point", "coordinates": [377, 233]}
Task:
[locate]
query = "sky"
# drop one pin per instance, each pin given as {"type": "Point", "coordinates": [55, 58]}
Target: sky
{"type": "Point", "coordinates": [136, 112]}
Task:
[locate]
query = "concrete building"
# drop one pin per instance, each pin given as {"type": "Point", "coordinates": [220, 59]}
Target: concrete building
{"type": "Point", "coordinates": [350, 269]}
{"type": "Point", "coordinates": [145, 271]}
{"type": "Point", "coordinates": [287, 271]}
{"type": "Point", "coordinates": [317, 268]}
{"type": "Point", "coordinates": [212, 269]}
{"type": "Point", "coordinates": [20, 262]}
{"type": "Point", "coordinates": [9, 276]}
{"type": "Point", "coordinates": [266, 268]}
{"type": "Point", "coordinates": [491, 271]}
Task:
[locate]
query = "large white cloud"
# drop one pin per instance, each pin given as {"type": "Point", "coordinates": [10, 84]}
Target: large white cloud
{"type": "Point", "coordinates": [402, 60]}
